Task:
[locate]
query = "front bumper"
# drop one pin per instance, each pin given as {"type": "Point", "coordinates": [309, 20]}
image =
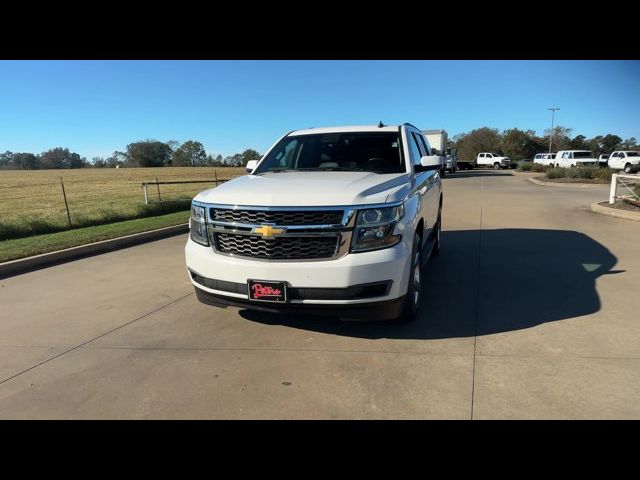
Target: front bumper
{"type": "Point", "coordinates": [390, 264]}
{"type": "Point", "coordinates": [369, 311]}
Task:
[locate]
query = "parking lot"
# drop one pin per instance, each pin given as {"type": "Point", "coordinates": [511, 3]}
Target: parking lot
{"type": "Point", "coordinates": [530, 311]}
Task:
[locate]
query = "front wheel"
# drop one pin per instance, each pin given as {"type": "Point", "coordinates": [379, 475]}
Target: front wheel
{"type": "Point", "coordinates": [436, 240]}
{"type": "Point", "coordinates": [496, 166]}
{"type": "Point", "coordinates": [627, 168]}
{"type": "Point", "coordinates": [413, 297]}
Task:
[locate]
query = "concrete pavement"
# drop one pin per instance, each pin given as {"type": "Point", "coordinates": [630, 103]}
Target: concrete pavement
{"type": "Point", "coordinates": [531, 312]}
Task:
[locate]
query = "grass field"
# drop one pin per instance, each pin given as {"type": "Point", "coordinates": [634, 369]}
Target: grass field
{"type": "Point", "coordinates": [31, 201]}
{"type": "Point", "coordinates": [38, 244]}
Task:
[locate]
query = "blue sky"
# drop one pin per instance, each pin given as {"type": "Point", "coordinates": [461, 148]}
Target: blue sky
{"type": "Point", "coordinates": [96, 107]}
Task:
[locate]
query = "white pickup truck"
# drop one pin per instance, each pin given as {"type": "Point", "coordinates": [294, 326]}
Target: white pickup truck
{"type": "Point", "coordinates": [493, 160]}
{"type": "Point", "coordinates": [334, 220]}
{"type": "Point", "coordinates": [627, 160]}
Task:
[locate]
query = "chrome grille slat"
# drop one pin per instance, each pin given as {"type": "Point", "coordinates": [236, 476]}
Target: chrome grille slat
{"type": "Point", "coordinates": [279, 248]}
{"type": "Point", "coordinates": [290, 218]}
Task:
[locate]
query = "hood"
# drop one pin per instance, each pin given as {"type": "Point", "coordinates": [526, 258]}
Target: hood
{"type": "Point", "coordinates": [303, 189]}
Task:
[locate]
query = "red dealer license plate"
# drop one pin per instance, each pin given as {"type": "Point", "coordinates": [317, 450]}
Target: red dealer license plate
{"type": "Point", "coordinates": [267, 291]}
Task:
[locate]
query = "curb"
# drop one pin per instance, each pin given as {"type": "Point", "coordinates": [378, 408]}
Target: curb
{"type": "Point", "coordinates": [556, 184]}
{"type": "Point", "coordinates": [23, 265]}
{"type": "Point", "coordinates": [597, 207]}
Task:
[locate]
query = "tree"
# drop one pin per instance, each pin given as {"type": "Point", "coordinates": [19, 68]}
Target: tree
{"type": "Point", "coordinates": [595, 145]}
{"type": "Point", "coordinates": [190, 154]}
{"type": "Point", "coordinates": [149, 153]}
{"type": "Point", "coordinates": [61, 158]}
{"type": "Point", "coordinates": [6, 160]}
{"type": "Point", "coordinates": [26, 161]}
{"type": "Point", "coordinates": [579, 143]}
{"type": "Point", "coordinates": [484, 139]}
{"type": "Point", "coordinates": [118, 159]}
{"type": "Point", "coordinates": [98, 162]}
{"type": "Point", "coordinates": [249, 154]}
{"type": "Point", "coordinates": [560, 140]}
{"type": "Point", "coordinates": [629, 144]}
{"type": "Point", "coordinates": [233, 160]}
{"type": "Point", "coordinates": [610, 143]}
{"type": "Point", "coordinates": [518, 144]}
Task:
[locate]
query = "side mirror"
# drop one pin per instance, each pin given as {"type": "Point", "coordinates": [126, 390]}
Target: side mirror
{"type": "Point", "coordinates": [431, 162]}
{"type": "Point", "coordinates": [251, 165]}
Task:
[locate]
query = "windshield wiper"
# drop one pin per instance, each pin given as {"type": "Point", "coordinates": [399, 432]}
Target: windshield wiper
{"type": "Point", "coordinates": [313, 169]}
{"type": "Point", "coordinates": [277, 170]}
{"type": "Point", "coordinates": [330, 169]}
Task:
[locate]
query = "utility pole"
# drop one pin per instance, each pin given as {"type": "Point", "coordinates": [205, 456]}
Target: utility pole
{"type": "Point", "coordinates": [553, 111]}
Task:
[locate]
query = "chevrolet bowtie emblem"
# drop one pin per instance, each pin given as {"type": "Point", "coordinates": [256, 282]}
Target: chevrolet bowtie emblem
{"type": "Point", "coordinates": [268, 230]}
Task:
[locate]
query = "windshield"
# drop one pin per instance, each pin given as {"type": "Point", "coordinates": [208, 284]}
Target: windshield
{"type": "Point", "coordinates": [377, 152]}
{"type": "Point", "coordinates": [633, 154]}
{"type": "Point", "coordinates": [582, 155]}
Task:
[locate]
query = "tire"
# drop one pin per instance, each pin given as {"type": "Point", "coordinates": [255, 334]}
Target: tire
{"type": "Point", "coordinates": [436, 244]}
{"type": "Point", "coordinates": [496, 166]}
{"type": "Point", "coordinates": [627, 168]}
{"type": "Point", "coordinates": [411, 303]}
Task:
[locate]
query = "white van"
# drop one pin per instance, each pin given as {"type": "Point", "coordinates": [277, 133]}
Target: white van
{"type": "Point", "coordinates": [544, 158]}
{"type": "Point", "coordinates": [575, 158]}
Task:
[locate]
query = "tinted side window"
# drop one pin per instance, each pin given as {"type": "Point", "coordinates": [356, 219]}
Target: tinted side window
{"type": "Point", "coordinates": [421, 146]}
{"type": "Point", "coordinates": [425, 144]}
{"type": "Point", "coordinates": [414, 151]}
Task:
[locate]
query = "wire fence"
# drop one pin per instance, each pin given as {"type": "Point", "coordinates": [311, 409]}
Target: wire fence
{"type": "Point", "coordinates": [72, 199]}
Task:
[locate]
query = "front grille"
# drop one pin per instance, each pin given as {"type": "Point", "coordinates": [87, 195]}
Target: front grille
{"type": "Point", "coordinates": [293, 218]}
{"type": "Point", "coordinates": [279, 248]}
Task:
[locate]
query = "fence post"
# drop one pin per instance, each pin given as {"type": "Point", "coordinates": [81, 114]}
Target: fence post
{"type": "Point", "coordinates": [146, 195]}
{"type": "Point", "coordinates": [216, 174]}
{"type": "Point", "coordinates": [66, 205]}
{"type": "Point", "coordinates": [158, 185]}
{"type": "Point", "coordinates": [614, 189]}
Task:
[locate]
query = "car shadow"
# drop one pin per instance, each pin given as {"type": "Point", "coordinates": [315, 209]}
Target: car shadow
{"type": "Point", "coordinates": [486, 282]}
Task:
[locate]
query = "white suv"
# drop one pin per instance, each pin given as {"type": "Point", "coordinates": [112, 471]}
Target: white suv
{"type": "Point", "coordinates": [334, 220]}
{"type": "Point", "coordinates": [627, 160]}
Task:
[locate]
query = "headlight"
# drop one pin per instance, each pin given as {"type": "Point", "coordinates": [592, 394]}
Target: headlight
{"type": "Point", "coordinates": [374, 228]}
{"type": "Point", "coordinates": [198, 225]}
